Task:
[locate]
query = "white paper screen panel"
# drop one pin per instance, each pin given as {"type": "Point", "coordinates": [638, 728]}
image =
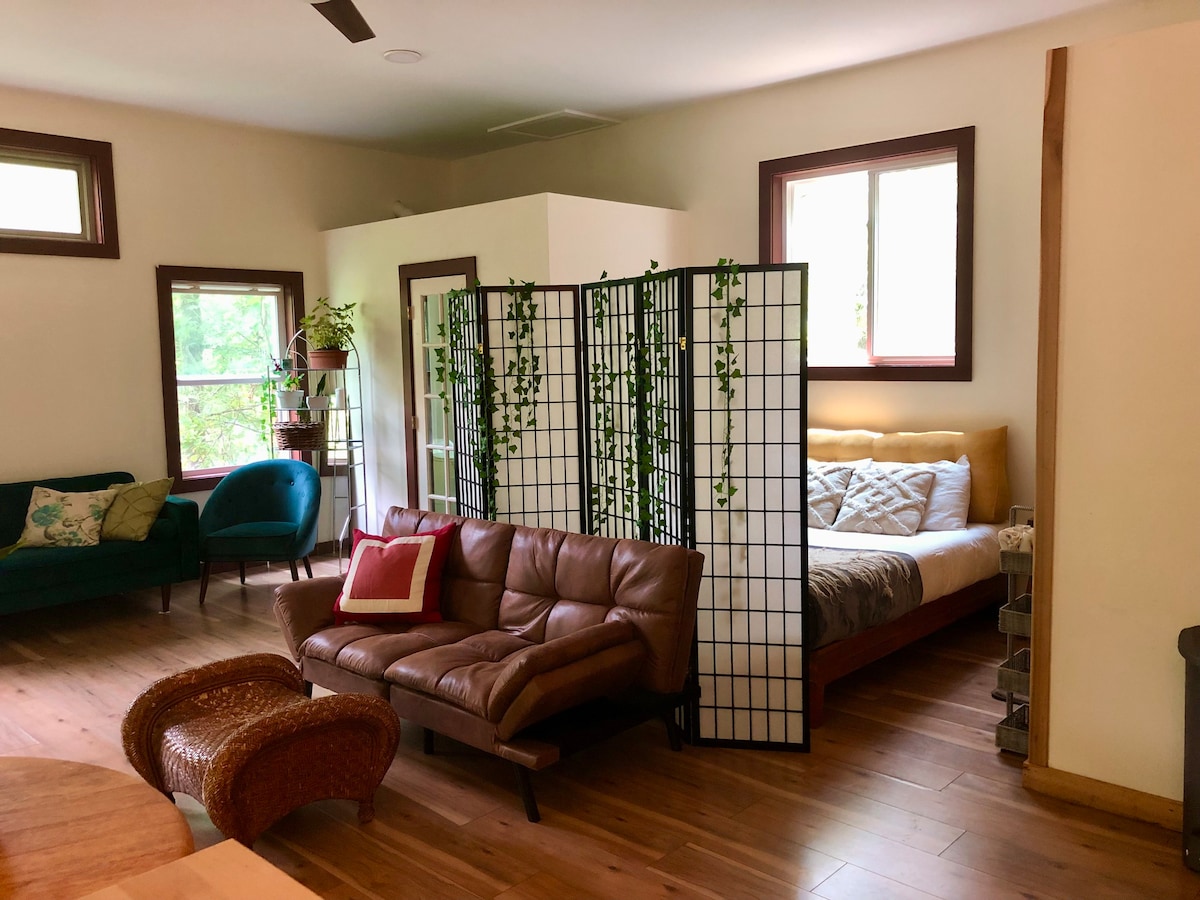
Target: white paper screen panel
{"type": "Point", "coordinates": [750, 634]}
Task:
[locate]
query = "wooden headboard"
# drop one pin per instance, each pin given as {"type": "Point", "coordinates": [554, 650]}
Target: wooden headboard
{"type": "Point", "coordinates": [987, 451]}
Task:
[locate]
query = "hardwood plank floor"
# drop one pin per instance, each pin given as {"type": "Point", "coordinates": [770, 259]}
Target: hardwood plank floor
{"type": "Point", "coordinates": [903, 794]}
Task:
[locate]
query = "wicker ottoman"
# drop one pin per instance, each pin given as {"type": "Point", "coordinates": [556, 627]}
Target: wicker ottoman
{"type": "Point", "coordinates": [241, 737]}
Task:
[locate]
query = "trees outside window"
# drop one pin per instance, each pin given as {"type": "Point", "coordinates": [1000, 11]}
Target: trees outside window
{"type": "Point", "coordinates": [220, 331]}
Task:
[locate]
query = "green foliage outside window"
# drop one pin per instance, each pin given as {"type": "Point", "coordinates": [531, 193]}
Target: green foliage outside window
{"type": "Point", "coordinates": [226, 337]}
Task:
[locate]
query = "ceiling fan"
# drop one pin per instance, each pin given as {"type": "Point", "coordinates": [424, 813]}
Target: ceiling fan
{"type": "Point", "coordinates": [345, 17]}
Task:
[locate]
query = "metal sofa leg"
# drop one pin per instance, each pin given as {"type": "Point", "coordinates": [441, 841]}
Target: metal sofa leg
{"type": "Point", "coordinates": [674, 732]}
{"type": "Point", "coordinates": [204, 581]}
{"type": "Point", "coordinates": [307, 567]}
{"type": "Point", "coordinates": [525, 787]}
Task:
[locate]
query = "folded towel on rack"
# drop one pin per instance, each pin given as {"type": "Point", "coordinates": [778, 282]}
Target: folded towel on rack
{"type": "Point", "coordinates": [1016, 537]}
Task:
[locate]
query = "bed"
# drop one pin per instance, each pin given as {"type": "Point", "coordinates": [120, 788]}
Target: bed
{"type": "Point", "coordinates": [871, 594]}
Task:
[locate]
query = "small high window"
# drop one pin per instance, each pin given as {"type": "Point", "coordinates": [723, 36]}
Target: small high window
{"type": "Point", "coordinates": [886, 229]}
{"type": "Point", "coordinates": [57, 196]}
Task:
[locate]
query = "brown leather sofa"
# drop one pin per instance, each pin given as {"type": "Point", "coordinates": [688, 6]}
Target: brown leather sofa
{"type": "Point", "coordinates": [536, 622]}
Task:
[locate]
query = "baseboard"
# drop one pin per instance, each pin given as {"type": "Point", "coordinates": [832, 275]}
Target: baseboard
{"type": "Point", "coordinates": [1101, 795]}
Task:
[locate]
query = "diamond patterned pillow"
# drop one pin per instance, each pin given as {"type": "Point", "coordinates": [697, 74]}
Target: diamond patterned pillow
{"type": "Point", "coordinates": [57, 519]}
{"type": "Point", "coordinates": [134, 509]}
{"type": "Point", "coordinates": [880, 502]}
{"type": "Point", "coordinates": [826, 486]}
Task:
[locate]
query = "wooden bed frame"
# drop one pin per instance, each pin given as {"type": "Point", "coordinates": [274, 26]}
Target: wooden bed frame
{"type": "Point", "coordinates": [832, 661]}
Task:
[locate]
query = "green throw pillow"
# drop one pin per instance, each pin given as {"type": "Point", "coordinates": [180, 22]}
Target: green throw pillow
{"type": "Point", "coordinates": [56, 519]}
{"type": "Point", "coordinates": [134, 509]}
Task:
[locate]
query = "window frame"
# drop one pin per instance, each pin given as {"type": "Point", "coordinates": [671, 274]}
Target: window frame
{"type": "Point", "coordinates": [773, 176]}
{"type": "Point", "coordinates": [293, 308]}
{"type": "Point", "coordinates": [98, 202]}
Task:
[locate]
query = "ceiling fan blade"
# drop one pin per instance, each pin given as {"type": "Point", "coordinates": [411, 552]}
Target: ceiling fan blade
{"type": "Point", "coordinates": [345, 17]}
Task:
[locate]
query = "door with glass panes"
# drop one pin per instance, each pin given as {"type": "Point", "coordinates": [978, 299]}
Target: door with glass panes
{"type": "Point", "coordinates": [433, 425]}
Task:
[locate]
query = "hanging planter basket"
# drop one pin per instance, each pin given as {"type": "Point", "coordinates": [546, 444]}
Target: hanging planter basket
{"type": "Point", "coordinates": [299, 435]}
{"type": "Point", "coordinates": [327, 359]}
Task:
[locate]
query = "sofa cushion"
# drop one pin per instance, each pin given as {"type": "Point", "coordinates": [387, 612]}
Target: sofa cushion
{"type": "Point", "coordinates": [135, 509]}
{"type": "Point", "coordinates": [485, 673]}
{"type": "Point", "coordinates": [248, 540]}
{"type": "Point", "coordinates": [394, 580]}
{"type": "Point", "coordinates": [462, 673]}
{"type": "Point", "coordinates": [50, 567]}
{"type": "Point", "coordinates": [473, 578]}
{"type": "Point", "coordinates": [65, 519]}
{"type": "Point", "coordinates": [14, 497]}
{"type": "Point", "coordinates": [369, 650]}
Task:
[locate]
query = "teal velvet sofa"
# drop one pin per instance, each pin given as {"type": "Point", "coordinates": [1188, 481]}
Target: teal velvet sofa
{"type": "Point", "coordinates": [33, 577]}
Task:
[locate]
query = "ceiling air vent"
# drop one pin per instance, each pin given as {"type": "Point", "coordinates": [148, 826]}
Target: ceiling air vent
{"type": "Point", "coordinates": [549, 126]}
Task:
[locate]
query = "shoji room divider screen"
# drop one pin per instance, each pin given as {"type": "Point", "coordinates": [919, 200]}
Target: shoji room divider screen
{"type": "Point", "coordinates": [669, 407]}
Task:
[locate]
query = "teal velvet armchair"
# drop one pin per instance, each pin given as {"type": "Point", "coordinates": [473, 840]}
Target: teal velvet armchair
{"type": "Point", "coordinates": [261, 512]}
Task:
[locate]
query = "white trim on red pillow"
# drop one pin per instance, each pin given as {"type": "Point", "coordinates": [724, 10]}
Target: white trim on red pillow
{"type": "Point", "coordinates": [394, 579]}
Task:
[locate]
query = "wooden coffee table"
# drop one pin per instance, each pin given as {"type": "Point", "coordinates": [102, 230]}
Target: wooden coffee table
{"type": "Point", "coordinates": [68, 828]}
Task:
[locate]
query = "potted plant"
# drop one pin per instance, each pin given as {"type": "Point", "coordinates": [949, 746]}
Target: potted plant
{"type": "Point", "coordinates": [328, 329]}
{"type": "Point", "coordinates": [290, 392]}
{"type": "Point", "coordinates": [319, 400]}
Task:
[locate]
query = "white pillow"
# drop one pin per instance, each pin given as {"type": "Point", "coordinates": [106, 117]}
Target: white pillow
{"type": "Point", "coordinates": [949, 498]}
{"type": "Point", "coordinates": [826, 486]}
{"type": "Point", "coordinates": [881, 502]}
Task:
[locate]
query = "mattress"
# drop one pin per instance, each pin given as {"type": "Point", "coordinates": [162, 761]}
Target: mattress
{"type": "Point", "coordinates": [947, 560]}
{"type": "Point", "coordinates": [858, 581]}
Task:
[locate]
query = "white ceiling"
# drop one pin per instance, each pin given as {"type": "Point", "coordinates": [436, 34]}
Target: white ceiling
{"type": "Point", "coordinates": [278, 63]}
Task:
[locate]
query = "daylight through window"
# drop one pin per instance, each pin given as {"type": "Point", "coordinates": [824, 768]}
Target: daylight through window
{"type": "Point", "coordinates": [223, 335]}
{"type": "Point", "coordinates": [56, 196]}
{"type": "Point", "coordinates": [886, 231]}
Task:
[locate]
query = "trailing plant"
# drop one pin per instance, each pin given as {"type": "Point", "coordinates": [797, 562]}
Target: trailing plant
{"type": "Point", "coordinates": [460, 360]}
{"type": "Point", "coordinates": [500, 417]}
{"type": "Point", "coordinates": [518, 401]}
{"type": "Point", "coordinates": [601, 381]}
{"type": "Point", "coordinates": [726, 366]}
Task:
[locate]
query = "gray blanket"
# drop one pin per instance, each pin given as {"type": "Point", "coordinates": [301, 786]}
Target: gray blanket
{"type": "Point", "coordinates": [852, 590]}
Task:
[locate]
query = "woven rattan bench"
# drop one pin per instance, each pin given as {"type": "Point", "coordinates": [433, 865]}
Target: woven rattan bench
{"type": "Point", "coordinates": [240, 736]}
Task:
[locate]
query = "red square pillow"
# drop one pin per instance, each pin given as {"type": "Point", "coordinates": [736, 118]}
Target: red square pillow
{"type": "Point", "coordinates": [394, 579]}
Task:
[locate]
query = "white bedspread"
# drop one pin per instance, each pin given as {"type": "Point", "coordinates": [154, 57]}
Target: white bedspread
{"type": "Point", "coordinates": [948, 560]}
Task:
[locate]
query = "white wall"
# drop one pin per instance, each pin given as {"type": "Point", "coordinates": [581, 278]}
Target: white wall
{"type": "Point", "coordinates": [703, 159]}
{"type": "Point", "coordinates": [79, 355]}
{"type": "Point", "coordinates": [545, 238]}
{"type": "Point", "coordinates": [1126, 535]}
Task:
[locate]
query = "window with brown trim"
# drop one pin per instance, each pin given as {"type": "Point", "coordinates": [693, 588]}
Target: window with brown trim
{"type": "Point", "coordinates": [887, 231]}
{"type": "Point", "coordinates": [57, 196]}
{"type": "Point", "coordinates": [220, 331]}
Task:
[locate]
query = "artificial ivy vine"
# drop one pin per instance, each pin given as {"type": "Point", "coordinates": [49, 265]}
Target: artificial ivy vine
{"type": "Point", "coordinates": [461, 360]}
{"type": "Point", "coordinates": [726, 367]}
{"type": "Point", "coordinates": [518, 403]}
{"type": "Point", "coordinates": [602, 380]}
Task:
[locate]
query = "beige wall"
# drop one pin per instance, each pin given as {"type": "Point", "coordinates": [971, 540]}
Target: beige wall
{"type": "Point", "coordinates": [79, 355]}
{"type": "Point", "coordinates": [1126, 537]}
{"type": "Point", "coordinates": [545, 238]}
{"type": "Point", "coordinates": [704, 158]}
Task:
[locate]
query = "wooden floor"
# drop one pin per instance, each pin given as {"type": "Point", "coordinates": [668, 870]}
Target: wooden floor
{"type": "Point", "coordinates": [903, 794]}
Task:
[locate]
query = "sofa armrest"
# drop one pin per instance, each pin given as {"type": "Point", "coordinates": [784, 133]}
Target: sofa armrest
{"type": "Point", "coordinates": [556, 654]}
{"type": "Point", "coordinates": [184, 514]}
{"type": "Point", "coordinates": [303, 608]}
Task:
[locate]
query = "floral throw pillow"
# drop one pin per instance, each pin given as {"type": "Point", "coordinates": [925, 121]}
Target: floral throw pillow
{"type": "Point", "coordinates": [56, 519]}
